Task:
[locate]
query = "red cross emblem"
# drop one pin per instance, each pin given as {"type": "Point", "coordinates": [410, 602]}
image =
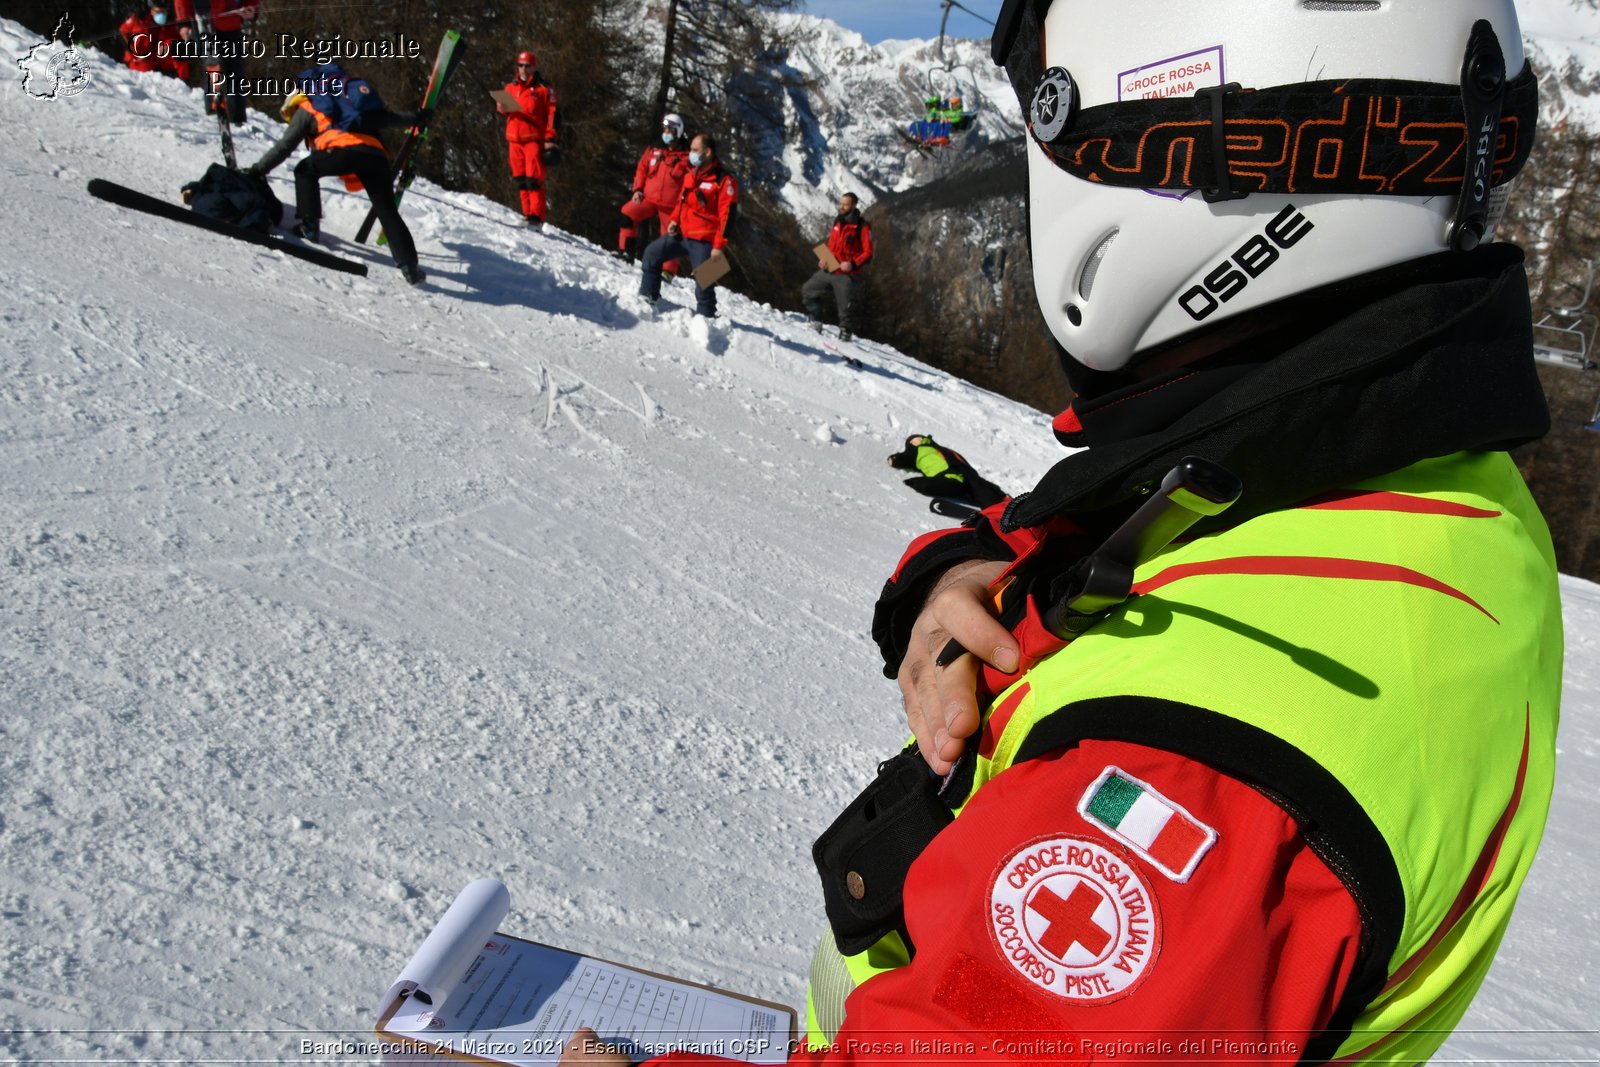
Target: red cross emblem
{"type": "Point", "coordinates": [1073, 917]}
{"type": "Point", "coordinates": [1071, 920]}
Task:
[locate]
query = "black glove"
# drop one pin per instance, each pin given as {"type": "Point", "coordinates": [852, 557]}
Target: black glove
{"type": "Point", "coordinates": [254, 170]}
{"type": "Point", "coordinates": [424, 115]}
{"type": "Point", "coordinates": [906, 458]}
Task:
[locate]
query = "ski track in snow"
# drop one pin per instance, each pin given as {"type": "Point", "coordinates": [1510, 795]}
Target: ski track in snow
{"type": "Point", "coordinates": [324, 596]}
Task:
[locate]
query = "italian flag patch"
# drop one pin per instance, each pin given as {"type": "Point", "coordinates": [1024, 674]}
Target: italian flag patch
{"type": "Point", "coordinates": [1135, 814]}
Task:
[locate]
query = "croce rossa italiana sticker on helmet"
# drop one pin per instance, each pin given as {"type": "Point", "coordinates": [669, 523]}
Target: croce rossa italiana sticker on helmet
{"type": "Point", "coordinates": [1074, 918]}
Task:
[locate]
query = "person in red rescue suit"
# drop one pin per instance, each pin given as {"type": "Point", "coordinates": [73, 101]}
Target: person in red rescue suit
{"type": "Point", "coordinates": [530, 135]}
{"type": "Point", "coordinates": [1276, 803]}
{"type": "Point", "coordinates": [222, 23]}
{"type": "Point", "coordinates": [148, 34]}
{"type": "Point", "coordinates": [359, 158]}
{"type": "Point", "coordinates": [657, 180]}
{"type": "Point", "coordinates": [698, 226]}
{"type": "Point", "coordinates": [850, 241]}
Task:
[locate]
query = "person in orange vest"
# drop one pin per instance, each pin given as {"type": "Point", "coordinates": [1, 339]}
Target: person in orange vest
{"type": "Point", "coordinates": [147, 36]}
{"type": "Point", "coordinates": [698, 227]}
{"type": "Point", "coordinates": [355, 154]}
{"type": "Point", "coordinates": [224, 22]}
{"type": "Point", "coordinates": [850, 241]}
{"type": "Point", "coordinates": [530, 135]}
{"type": "Point", "coordinates": [657, 181]}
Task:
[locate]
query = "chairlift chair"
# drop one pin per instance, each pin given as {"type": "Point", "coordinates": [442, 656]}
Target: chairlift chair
{"type": "Point", "coordinates": [954, 87]}
{"type": "Point", "coordinates": [1565, 337]}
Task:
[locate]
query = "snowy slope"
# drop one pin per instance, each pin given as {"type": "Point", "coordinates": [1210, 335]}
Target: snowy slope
{"type": "Point", "coordinates": [323, 596]}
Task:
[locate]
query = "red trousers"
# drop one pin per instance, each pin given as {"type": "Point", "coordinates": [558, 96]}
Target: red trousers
{"type": "Point", "coordinates": [638, 211]}
{"type": "Point", "coordinates": [528, 169]}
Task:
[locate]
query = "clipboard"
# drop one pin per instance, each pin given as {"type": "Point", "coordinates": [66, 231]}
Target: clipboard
{"type": "Point", "coordinates": [472, 993]}
{"type": "Point", "coordinates": [507, 101]}
{"type": "Point", "coordinates": [649, 1013]}
{"type": "Point", "coordinates": [825, 256]}
{"type": "Point", "coordinates": [707, 273]}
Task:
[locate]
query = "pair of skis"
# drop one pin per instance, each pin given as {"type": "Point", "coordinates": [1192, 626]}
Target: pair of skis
{"type": "Point", "coordinates": [842, 354]}
{"type": "Point", "coordinates": [451, 48]}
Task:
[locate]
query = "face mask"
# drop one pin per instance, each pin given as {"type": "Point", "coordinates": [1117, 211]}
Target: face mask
{"type": "Point", "coordinates": [160, 17]}
{"type": "Point", "coordinates": [694, 159]}
{"type": "Point", "coordinates": [666, 137]}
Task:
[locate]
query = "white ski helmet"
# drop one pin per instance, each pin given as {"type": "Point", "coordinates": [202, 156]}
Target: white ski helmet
{"type": "Point", "coordinates": [674, 122]}
{"type": "Point", "coordinates": [1356, 117]}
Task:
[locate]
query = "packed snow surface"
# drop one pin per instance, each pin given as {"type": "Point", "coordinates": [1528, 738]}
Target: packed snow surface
{"type": "Point", "coordinates": [323, 596]}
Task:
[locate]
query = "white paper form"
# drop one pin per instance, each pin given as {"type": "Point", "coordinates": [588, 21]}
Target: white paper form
{"type": "Point", "coordinates": [519, 1002]}
{"type": "Point", "coordinates": [437, 966]}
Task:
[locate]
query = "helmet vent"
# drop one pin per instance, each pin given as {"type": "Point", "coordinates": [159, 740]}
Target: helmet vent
{"type": "Point", "coordinates": [1341, 5]}
{"type": "Point", "coordinates": [1091, 266]}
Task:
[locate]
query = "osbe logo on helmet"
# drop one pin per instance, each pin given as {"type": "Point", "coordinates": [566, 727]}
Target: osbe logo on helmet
{"type": "Point", "coordinates": [1266, 148]}
{"type": "Point", "coordinates": [1228, 279]}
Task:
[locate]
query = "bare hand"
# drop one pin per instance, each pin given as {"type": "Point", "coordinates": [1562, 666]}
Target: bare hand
{"type": "Point", "coordinates": [941, 702]}
{"type": "Point", "coordinates": [586, 1047]}
{"type": "Point", "coordinates": [672, 229]}
{"type": "Point", "coordinates": [638, 198]}
{"type": "Point", "coordinates": [716, 253]}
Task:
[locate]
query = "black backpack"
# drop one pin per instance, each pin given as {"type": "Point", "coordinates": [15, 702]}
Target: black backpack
{"type": "Point", "coordinates": [233, 196]}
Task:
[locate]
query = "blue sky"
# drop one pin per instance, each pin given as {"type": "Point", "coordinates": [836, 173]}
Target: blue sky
{"type": "Point", "coordinates": [878, 20]}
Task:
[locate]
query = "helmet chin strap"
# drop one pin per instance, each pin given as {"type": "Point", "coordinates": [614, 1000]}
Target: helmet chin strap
{"type": "Point", "coordinates": [1363, 136]}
